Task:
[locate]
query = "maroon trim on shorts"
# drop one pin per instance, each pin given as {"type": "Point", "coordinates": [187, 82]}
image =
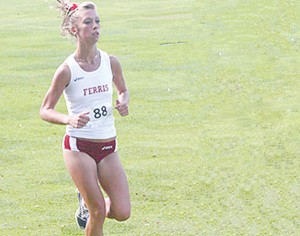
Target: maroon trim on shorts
{"type": "Point", "coordinates": [67, 142]}
{"type": "Point", "coordinates": [96, 150]}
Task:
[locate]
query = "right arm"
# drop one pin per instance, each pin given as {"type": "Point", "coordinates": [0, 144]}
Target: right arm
{"type": "Point", "coordinates": [48, 113]}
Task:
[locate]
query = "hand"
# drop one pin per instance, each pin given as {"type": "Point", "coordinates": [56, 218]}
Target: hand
{"type": "Point", "coordinates": [122, 108]}
{"type": "Point", "coordinates": [80, 120]}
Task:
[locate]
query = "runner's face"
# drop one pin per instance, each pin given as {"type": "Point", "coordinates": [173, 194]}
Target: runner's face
{"type": "Point", "coordinates": [88, 26]}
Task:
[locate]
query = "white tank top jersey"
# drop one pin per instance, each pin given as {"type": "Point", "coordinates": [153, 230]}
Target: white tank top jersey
{"type": "Point", "coordinates": [91, 92]}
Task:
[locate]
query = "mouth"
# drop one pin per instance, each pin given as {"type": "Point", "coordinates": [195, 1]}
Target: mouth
{"type": "Point", "coordinates": [96, 33]}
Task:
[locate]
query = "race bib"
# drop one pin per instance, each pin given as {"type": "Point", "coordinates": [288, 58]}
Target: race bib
{"type": "Point", "coordinates": [97, 115]}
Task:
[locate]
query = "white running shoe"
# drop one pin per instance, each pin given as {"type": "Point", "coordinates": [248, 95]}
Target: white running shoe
{"type": "Point", "coordinates": [82, 213]}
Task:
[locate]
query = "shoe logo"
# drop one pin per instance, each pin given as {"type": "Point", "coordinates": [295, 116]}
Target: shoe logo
{"type": "Point", "coordinates": [78, 78]}
{"type": "Point", "coordinates": [107, 147]}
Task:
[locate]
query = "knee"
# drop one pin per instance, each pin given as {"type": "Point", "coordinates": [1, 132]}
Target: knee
{"type": "Point", "coordinates": [122, 214]}
{"type": "Point", "coordinates": [98, 213]}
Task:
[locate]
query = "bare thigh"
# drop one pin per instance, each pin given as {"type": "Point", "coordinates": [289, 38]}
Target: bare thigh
{"type": "Point", "coordinates": [83, 170]}
{"type": "Point", "coordinates": [113, 180]}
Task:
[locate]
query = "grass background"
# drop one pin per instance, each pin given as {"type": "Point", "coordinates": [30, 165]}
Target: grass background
{"type": "Point", "coordinates": [211, 146]}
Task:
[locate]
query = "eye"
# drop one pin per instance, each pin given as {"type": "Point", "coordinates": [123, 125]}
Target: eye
{"type": "Point", "coordinates": [87, 21]}
{"type": "Point", "coordinates": [97, 21]}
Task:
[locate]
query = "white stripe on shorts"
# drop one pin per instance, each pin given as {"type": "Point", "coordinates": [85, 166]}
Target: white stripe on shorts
{"type": "Point", "coordinates": [73, 144]}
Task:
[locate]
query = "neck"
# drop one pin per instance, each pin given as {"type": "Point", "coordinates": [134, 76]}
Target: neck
{"type": "Point", "coordinates": [89, 55]}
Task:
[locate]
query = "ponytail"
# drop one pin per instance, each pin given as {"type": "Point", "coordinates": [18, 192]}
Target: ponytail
{"type": "Point", "coordinates": [68, 9]}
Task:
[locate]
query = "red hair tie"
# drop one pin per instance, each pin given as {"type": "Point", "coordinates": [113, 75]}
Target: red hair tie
{"type": "Point", "coordinates": [70, 8]}
{"type": "Point", "coordinates": [73, 7]}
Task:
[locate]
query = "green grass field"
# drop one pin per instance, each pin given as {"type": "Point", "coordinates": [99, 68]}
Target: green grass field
{"type": "Point", "coordinates": [211, 146]}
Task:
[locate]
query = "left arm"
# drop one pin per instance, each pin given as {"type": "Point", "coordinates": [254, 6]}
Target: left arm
{"type": "Point", "coordinates": [122, 102]}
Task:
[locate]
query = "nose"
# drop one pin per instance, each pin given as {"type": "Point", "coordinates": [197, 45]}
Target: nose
{"type": "Point", "coordinates": [96, 25]}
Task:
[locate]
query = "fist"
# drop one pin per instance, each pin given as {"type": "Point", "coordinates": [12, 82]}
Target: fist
{"type": "Point", "coordinates": [80, 120]}
{"type": "Point", "coordinates": [122, 108]}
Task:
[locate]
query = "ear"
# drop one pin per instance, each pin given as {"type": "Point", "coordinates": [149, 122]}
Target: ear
{"type": "Point", "coordinates": [74, 30]}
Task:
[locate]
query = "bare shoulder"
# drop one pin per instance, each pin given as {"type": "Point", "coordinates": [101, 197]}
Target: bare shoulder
{"type": "Point", "coordinates": [113, 59]}
{"type": "Point", "coordinates": [63, 70]}
{"type": "Point", "coordinates": [62, 74]}
{"type": "Point", "coordinates": [115, 63]}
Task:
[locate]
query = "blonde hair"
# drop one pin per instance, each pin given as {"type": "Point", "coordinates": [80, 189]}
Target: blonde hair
{"type": "Point", "coordinates": [69, 14]}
